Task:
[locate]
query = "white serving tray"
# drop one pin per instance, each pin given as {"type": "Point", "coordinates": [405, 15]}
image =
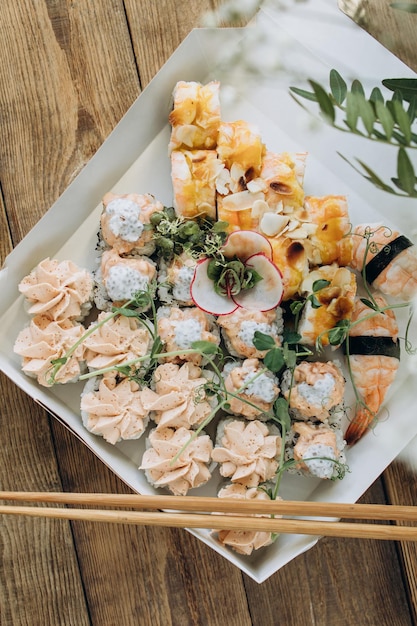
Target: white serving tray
{"type": "Point", "coordinates": [135, 159]}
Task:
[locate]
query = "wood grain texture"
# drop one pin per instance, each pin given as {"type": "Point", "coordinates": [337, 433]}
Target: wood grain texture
{"type": "Point", "coordinates": [68, 72]}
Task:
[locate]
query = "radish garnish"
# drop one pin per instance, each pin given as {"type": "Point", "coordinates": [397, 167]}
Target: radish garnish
{"type": "Point", "coordinates": [244, 244]}
{"type": "Point", "coordinates": [265, 294]}
{"type": "Point", "coordinates": [205, 297]}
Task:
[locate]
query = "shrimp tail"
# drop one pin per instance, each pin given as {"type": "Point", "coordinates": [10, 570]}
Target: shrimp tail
{"type": "Point", "coordinates": [359, 425]}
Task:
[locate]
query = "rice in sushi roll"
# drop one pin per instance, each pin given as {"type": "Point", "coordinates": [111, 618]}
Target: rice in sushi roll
{"type": "Point", "coordinates": [190, 470]}
{"type": "Point", "coordinates": [174, 280]}
{"type": "Point", "coordinates": [317, 390]}
{"type": "Point", "coordinates": [125, 222]}
{"type": "Point", "coordinates": [247, 451]}
{"type": "Point", "coordinates": [239, 327]}
{"type": "Point", "coordinates": [120, 278]}
{"type": "Point", "coordinates": [316, 448]}
{"type": "Point", "coordinates": [113, 409]}
{"type": "Point", "coordinates": [179, 328]}
{"type": "Point", "coordinates": [256, 391]}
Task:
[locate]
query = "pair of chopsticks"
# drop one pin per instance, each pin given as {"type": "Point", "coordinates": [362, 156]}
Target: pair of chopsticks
{"type": "Point", "coordinates": [203, 512]}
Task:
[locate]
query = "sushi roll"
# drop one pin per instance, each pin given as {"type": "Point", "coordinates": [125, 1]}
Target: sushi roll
{"type": "Point", "coordinates": [179, 328]}
{"type": "Point", "coordinates": [331, 241]}
{"type": "Point", "coordinates": [125, 222]}
{"type": "Point", "coordinates": [240, 151]}
{"type": "Point", "coordinates": [316, 449]}
{"type": "Point", "coordinates": [388, 258]}
{"type": "Point", "coordinates": [316, 392]}
{"type": "Point", "coordinates": [59, 289]}
{"type": "Point", "coordinates": [195, 117]}
{"type": "Point", "coordinates": [174, 280]}
{"type": "Point", "coordinates": [373, 353]}
{"type": "Point", "coordinates": [116, 341]}
{"type": "Point", "coordinates": [190, 470]}
{"type": "Point", "coordinates": [291, 257]}
{"type": "Point", "coordinates": [254, 393]}
{"type": "Point", "coordinates": [43, 341]}
{"type": "Point", "coordinates": [244, 541]}
{"type": "Point", "coordinates": [283, 174]}
{"type": "Point", "coordinates": [332, 303]}
{"type": "Point", "coordinates": [247, 451]}
{"type": "Point", "coordinates": [177, 398]}
{"type": "Point", "coordinates": [119, 278]}
{"type": "Point", "coordinates": [238, 330]}
{"type": "Point", "coordinates": [193, 174]}
{"type": "Point", "coordinates": [113, 409]}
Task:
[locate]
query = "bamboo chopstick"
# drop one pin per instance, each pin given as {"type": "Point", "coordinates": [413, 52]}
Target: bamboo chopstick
{"type": "Point", "coordinates": [230, 522]}
{"type": "Point", "coordinates": [222, 505]}
{"type": "Point", "coordinates": [201, 513]}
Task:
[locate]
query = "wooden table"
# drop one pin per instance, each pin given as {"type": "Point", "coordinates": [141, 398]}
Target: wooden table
{"type": "Point", "coordinates": [69, 71]}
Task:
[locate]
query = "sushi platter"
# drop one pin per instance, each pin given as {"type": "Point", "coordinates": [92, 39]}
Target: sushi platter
{"type": "Point", "coordinates": [218, 283]}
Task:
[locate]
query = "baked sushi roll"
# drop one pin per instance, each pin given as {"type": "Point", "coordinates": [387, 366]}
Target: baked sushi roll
{"type": "Point", "coordinates": [190, 470]}
{"type": "Point", "coordinates": [331, 241]}
{"type": "Point", "coordinates": [119, 278]}
{"type": "Point", "coordinates": [194, 174]}
{"type": "Point", "coordinates": [247, 451]}
{"type": "Point", "coordinates": [244, 541]}
{"type": "Point", "coordinates": [316, 448]}
{"type": "Point", "coordinates": [179, 328]}
{"type": "Point", "coordinates": [177, 398]}
{"type": "Point", "coordinates": [112, 408]}
{"type": "Point", "coordinates": [254, 393]}
{"type": "Point", "coordinates": [240, 151]}
{"type": "Point", "coordinates": [283, 174]}
{"type": "Point", "coordinates": [174, 280]}
{"type": "Point", "coordinates": [44, 341]}
{"type": "Point", "coordinates": [116, 341]}
{"type": "Point", "coordinates": [290, 255]}
{"type": "Point", "coordinates": [238, 330]}
{"type": "Point", "coordinates": [327, 305]}
{"type": "Point", "coordinates": [125, 222]}
{"type": "Point", "coordinates": [195, 117]}
{"type": "Point", "coordinates": [59, 289]}
{"type": "Point", "coordinates": [315, 390]}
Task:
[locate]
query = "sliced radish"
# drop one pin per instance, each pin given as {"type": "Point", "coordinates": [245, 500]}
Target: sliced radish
{"type": "Point", "coordinates": [267, 293]}
{"type": "Point", "coordinates": [204, 296]}
{"type": "Point", "coordinates": [246, 243]}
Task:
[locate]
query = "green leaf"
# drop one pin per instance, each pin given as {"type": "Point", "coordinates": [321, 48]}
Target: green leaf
{"type": "Point", "coordinates": [376, 95]}
{"type": "Point", "coordinates": [412, 111]}
{"type": "Point", "coordinates": [367, 113]}
{"type": "Point", "coordinates": [338, 86]}
{"type": "Point", "coordinates": [124, 311]}
{"type": "Point", "coordinates": [352, 110]}
{"type": "Point", "coordinates": [320, 284]}
{"type": "Point", "coordinates": [386, 119]}
{"type": "Point", "coordinates": [368, 303]}
{"type": "Point", "coordinates": [206, 347]}
{"type": "Point", "coordinates": [291, 338]}
{"type": "Point", "coordinates": [261, 341]}
{"type": "Point", "coordinates": [274, 360]}
{"type": "Point", "coordinates": [404, 6]}
{"type": "Point", "coordinates": [405, 172]}
{"type": "Point", "coordinates": [406, 86]}
{"type": "Point", "coordinates": [371, 176]}
{"type": "Point", "coordinates": [314, 302]}
{"type": "Point", "coordinates": [308, 95]}
{"type": "Point", "coordinates": [357, 87]}
{"type": "Point", "coordinates": [296, 306]}
{"type": "Point", "coordinates": [324, 102]}
{"type": "Point", "coordinates": [281, 410]}
{"type": "Point", "coordinates": [403, 120]}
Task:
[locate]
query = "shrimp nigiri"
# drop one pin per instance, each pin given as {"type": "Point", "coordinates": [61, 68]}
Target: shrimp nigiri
{"type": "Point", "coordinates": [373, 352]}
{"type": "Point", "coordinates": [388, 258]}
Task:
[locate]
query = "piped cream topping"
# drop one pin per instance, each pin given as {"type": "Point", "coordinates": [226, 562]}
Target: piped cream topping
{"type": "Point", "coordinates": [190, 470]}
{"type": "Point", "coordinates": [58, 289]}
{"type": "Point", "coordinates": [115, 341]}
{"type": "Point", "coordinates": [115, 410]}
{"type": "Point", "coordinates": [45, 340]}
{"type": "Point", "coordinates": [247, 452]}
{"type": "Point", "coordinates": [244, 541]}
{"type": "Point", "coordinates": [179, 398]}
